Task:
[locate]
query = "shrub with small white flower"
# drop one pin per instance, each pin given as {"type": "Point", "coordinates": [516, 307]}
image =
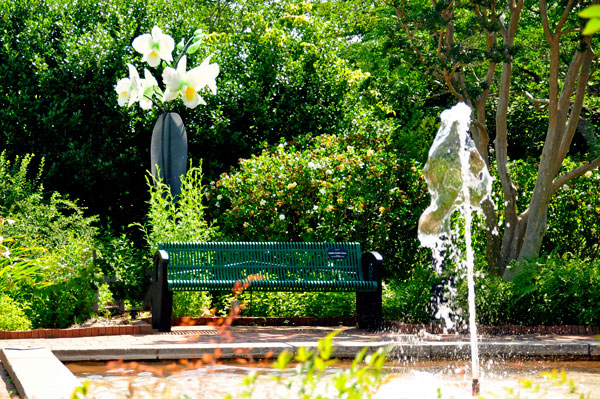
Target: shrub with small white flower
{"type": "Point", "coordinates": [157, 49]}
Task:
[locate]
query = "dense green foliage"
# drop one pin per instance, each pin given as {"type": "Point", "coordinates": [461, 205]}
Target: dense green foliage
{"type": "Point", "coordinates": [288, 304]}
{"type": "Point", "coordinates": [351, 187]}
{"type": "Point", "coordinates": [12, 316]}
{"type": "Point", "coordinates": [552, 290]}
{"type": "Point", "coordinates": [322, 121]}
{"type": "Point", "coordinates": [64, 265]}
{"type": "Point", "coordinates": [280, 76]}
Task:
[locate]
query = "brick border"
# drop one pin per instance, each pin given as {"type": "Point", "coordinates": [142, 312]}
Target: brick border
{"type": "Point", "coordinates": [499, 330]}
{"type": "Point", "coordinates": [145, 327]}
{"type": "Point", "coordinates": [131, 329]}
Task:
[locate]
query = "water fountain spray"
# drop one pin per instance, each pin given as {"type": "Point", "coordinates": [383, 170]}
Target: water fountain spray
{"type": "Point", "coordinates": [458, 180]}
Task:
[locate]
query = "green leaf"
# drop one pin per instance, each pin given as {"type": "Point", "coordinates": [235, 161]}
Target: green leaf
{"type": "Point", "coordinates": [319, 363]}
{"type": "Point", "coordinates": [592, 26]}
{"type": "Point", "coordinates": [283, 360]}
{"type": "Point", "coordinates": [590, 12]}
{"type": "Point", "coordinates": [193, 48]}
{"type": "Point", "coordinates": [181, 45]}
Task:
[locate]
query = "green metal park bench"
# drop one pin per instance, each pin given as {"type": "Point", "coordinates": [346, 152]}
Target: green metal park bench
{"type": "Point", "coordinates": [266, 266]}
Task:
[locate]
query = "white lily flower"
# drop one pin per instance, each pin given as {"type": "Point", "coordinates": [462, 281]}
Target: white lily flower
{"type": "Point", "coordinates": [154, 47]}
{"type": "Point", "coordinates": [148, 86]}
{"type": "Point", "coordinates": [178, 81]}
{"type": "Point", "coordinates": [128, 88]}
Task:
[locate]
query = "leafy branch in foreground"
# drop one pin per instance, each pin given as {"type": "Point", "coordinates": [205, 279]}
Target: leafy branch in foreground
{"type": "Point", "coordinates": [311, 378]}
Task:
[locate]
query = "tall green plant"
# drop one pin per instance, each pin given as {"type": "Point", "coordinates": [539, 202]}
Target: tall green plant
{"type": "Point", "coordinates": [177, 220]}
{"type": "Point", "coordinates": [16, 184]}
{"type": "Point", "coordinates": [18, 265]}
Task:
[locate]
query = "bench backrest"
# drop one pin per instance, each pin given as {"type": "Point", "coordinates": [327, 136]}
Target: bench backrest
{"type": "Point", "coordinates": [194, 262]}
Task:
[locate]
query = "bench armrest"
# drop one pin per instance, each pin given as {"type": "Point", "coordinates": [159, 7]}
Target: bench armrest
{"type": "Point", "coordinates": [161, 262]}
{"type": "Point", "coordinates": [372, 266]}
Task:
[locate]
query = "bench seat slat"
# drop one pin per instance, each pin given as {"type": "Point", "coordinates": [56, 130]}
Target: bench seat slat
{"type": "Point", "coordinates": [273, 285]}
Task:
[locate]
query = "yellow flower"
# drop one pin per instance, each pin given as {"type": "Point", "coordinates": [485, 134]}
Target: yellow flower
{"type": "Point", "coordinates": [381, 209]}
{"type": "Point", "coordinates": [370, 153]}
{"type": "Point", "coordinates": [329, 208]}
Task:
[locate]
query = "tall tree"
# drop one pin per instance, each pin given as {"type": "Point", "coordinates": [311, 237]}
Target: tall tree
{"type": "Point", "coordinates": [472, 47]}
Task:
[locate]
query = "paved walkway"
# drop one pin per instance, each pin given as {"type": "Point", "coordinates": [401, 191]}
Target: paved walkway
{"type": "Point", "coordinates": [258, 342]}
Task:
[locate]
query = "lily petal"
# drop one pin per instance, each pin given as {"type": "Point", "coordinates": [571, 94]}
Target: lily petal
{"type": "Point", "coordinates": [148, 76]}
{"type": "Point", "coordinates": [152, 58]}
{"type": "Point", "coordinates": [170, 95]}
{"type": "Point", "coordinates": [202, 76]}
{"type": "Point", "coordinates": [172, 80]}
{"type": "Point", "coordinates": [182, 66]}
{"type": "Point", "coordinates": [142, 44]}
{"type": "Point", "coordinates": [166, 45]}
{"type": "Point", "coordinates": [191, 99]}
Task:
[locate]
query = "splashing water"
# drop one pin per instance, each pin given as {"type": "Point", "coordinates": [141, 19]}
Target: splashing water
{"type": "Point", "coordinates": [457, 179]}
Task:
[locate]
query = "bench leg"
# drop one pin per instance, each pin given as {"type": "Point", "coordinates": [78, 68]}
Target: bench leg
{"type": "Point", "coordinates": [162, 298]}
{"type": "Point", "coordinates": [162, 310]}
{"type": "Point", "coordinates": [369, 309]}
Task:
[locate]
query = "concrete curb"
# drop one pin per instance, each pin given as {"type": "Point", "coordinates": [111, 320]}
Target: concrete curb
{"type": "Point", "coordinates": [38, 374]}
{"type": "Point", "coordinates": [343, 350]}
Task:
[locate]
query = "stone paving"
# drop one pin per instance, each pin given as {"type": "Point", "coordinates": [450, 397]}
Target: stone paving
{"type": "Point", "coordinates": [258, 342]}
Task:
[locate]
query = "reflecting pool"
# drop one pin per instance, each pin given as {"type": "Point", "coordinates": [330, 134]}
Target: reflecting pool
{"type": "Point", "coordinates": [422, 379]}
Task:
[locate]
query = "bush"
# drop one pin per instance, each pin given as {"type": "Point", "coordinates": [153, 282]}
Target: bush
{"type": "Point", "coordinates": [65, 264]}
{"type": "Point", "coordinates": [12, 315]}
{"type": "Point", "coordinates": [122, 263]}
{"type": "Point", "coordinates": [409, 300]}
{"type": "Point", "coordinates": [171, 220]}
{"type": "Point", "coordinates": [289, 304]}
{"type": "Point", "coordinates": [556, 291]}
{"type": "Point", "coordinates": [350, 187]}
{"type": "Point", "coordinates": [191, 304]}
{"type": "Point", "coordinates": [71, 296]}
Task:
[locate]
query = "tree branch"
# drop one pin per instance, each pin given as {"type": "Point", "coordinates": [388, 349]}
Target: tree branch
{"type": "Point", "coordinates": [564, 16]}
{"type": "Point", "coordinates": [545, 21]}
{"type": "Point", "coordinates": [563, 179]}
{"type": "Point", "coordinates": [582, 80]}
{"type": "Point", "coordinates": [435, 70]}
{"type": "Point", "coordinates": [538, 103]}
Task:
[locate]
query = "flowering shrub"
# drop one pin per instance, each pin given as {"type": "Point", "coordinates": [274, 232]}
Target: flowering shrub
{"type": "Point", "coordinates": [333, 188]}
